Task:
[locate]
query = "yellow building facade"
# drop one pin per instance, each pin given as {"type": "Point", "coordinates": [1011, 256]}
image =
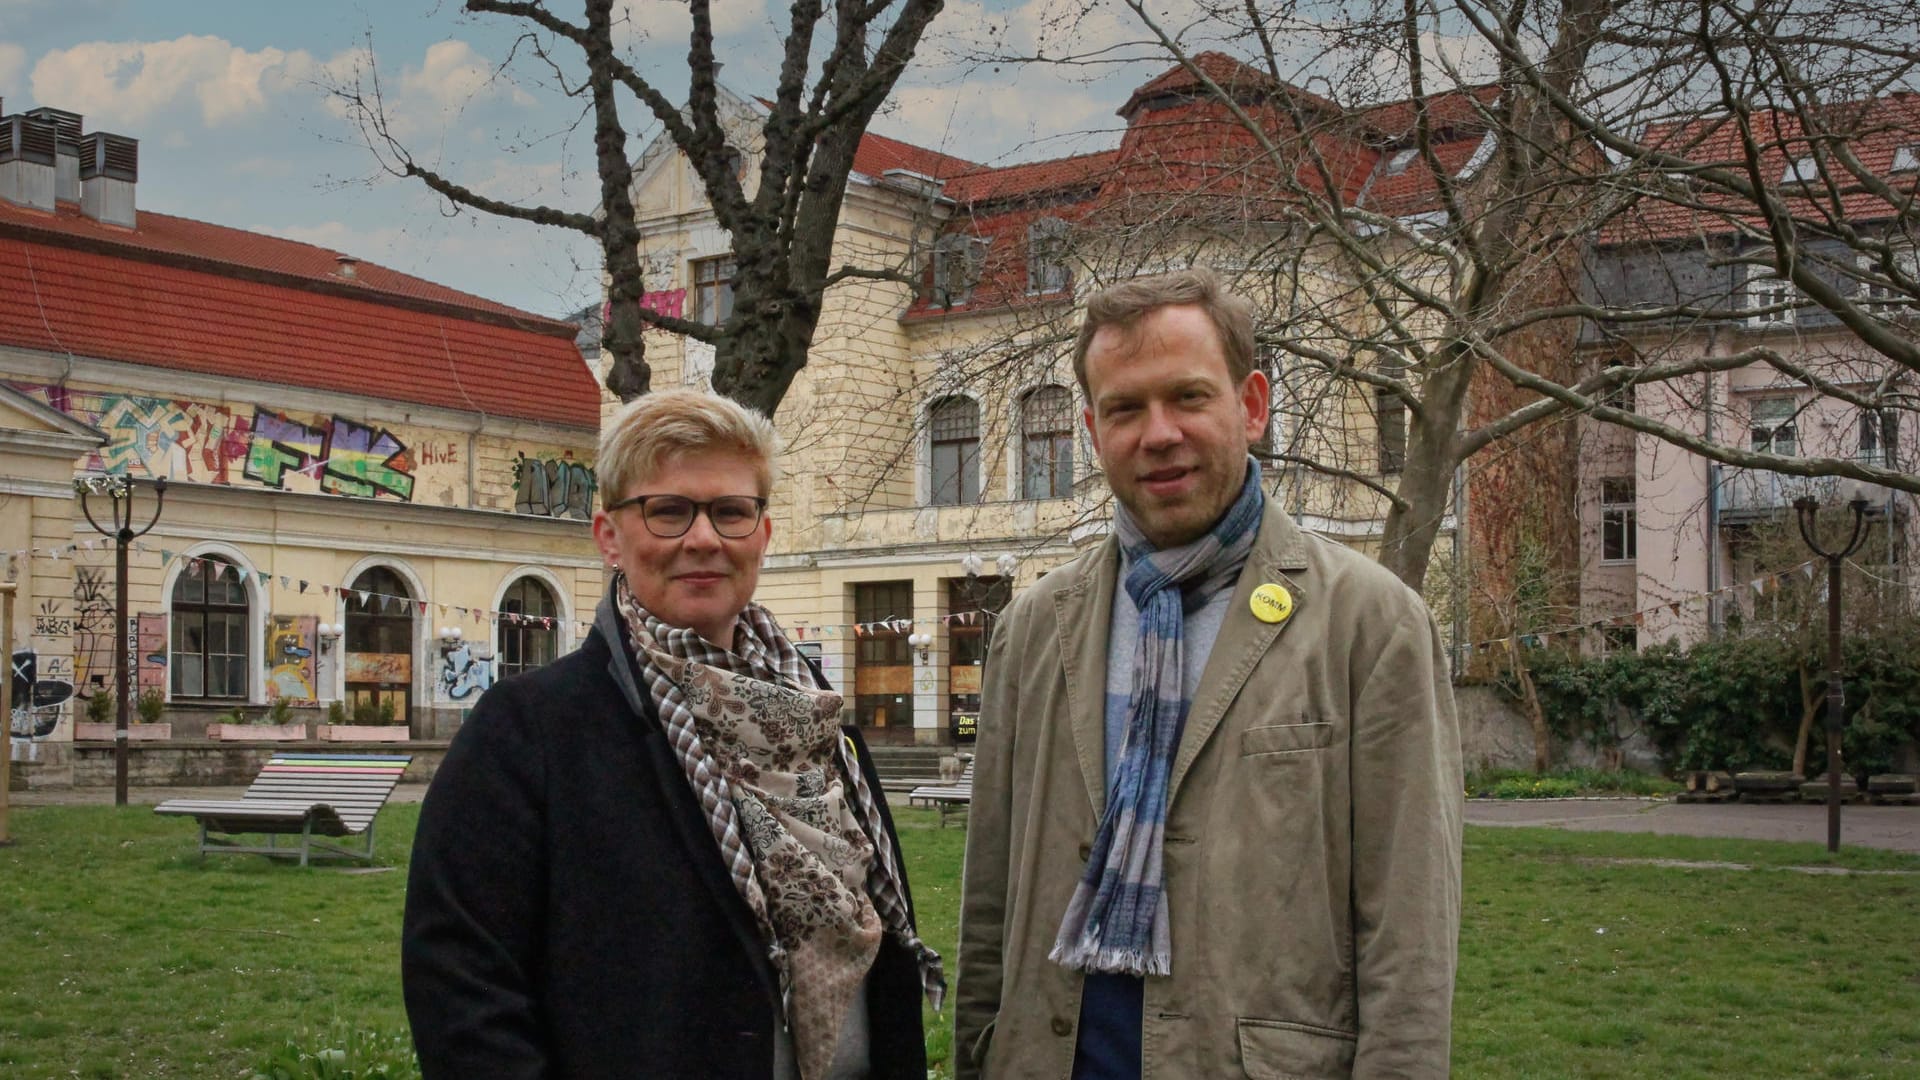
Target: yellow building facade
{"type": "Point", "coordinates": [376, 491]}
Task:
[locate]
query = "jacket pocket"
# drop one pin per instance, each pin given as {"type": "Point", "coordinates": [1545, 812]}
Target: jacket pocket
{"type": "Point", "coordinates": [1278, 1050]}
{"type": "Point", "coordinates": [1285, 738]}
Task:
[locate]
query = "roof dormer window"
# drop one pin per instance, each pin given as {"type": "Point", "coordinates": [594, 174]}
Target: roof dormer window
{"type": "Point", "coordinates": [1800, 171]}
{"type": "Point", "coordinates": [1907, 159]}
{"type": "Point", "coordinates": [1398, 163]}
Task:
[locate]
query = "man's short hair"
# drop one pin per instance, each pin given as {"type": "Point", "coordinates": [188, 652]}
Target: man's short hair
{"type": "Point", "coordinates": [654, 428]}
{"type": "Point", "coordinates": [1123, 306]}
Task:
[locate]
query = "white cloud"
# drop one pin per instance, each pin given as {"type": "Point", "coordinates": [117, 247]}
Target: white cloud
{"type": "Point", "coordinates": [13, 61]}
{"type": "Point", "coordinates": [453, 76]}
{"type": "Point", "coordinates": [126, 83]}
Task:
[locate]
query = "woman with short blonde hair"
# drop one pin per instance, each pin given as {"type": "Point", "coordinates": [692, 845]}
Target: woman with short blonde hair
{"type": "Point", "coordinates": [662, 854]}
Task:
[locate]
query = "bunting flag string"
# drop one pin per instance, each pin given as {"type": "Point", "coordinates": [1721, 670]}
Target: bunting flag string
{"type": "Point", "coordinates": [363, 600]}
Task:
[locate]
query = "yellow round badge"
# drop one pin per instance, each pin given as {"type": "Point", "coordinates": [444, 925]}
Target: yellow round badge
{"type": "Point", "coordinates": [1271, 603]}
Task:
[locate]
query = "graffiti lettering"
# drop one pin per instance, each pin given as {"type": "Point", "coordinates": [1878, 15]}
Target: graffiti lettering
{"type": "Point", "coordinates": [439, 454]}
{"type": "Point", "coordinates": [366, 462]}
{"type": "Point", "coordinates": [462, 675]}
{"type": "Point", "coordinates": [552, 488]}
{"type": "Point", "coordinates": [281, 445]}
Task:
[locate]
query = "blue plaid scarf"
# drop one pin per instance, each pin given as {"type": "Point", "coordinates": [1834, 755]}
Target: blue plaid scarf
{"type": "Point", "coordinates": [1117, 920]}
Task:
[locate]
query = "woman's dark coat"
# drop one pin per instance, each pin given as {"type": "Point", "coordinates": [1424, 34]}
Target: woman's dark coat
{"type": "Point", "coordinates": [568, 912]}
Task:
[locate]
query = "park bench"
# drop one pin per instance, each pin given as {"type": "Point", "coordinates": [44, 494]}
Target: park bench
{"type": "Point", "coordinates": [305, 795]}
{"type": "Point", "coordinates": [946, 798]}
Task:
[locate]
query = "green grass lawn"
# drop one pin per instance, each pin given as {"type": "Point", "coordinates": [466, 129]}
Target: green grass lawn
{"type": "Point", "coordinates": [123, 955]}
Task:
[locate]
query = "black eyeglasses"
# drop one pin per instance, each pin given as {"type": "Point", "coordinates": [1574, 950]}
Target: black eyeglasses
{"type": "Point", "coordinates": [667, 516]}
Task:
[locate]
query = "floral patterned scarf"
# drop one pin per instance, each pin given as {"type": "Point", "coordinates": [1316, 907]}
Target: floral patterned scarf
{"type": "Point", "coordinates": [763, 751]}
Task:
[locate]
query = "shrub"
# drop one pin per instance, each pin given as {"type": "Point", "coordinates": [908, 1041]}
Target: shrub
{"type": "Point", "coordinates": [100, 707]}
{"type": "Point", "coordinates": [336, 712]}
{"type": "Point", "coordinates": [151, 704]}
{"type": "Point", "coordinates": [279, 712]}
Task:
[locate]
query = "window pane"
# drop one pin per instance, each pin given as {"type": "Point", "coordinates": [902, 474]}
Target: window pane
{"type": "Point", "coordinates": [190, 588]}
{"type": "Point", "coordinates": [946, 473]}
{"type": "Point", "coordinates": [189, 675]}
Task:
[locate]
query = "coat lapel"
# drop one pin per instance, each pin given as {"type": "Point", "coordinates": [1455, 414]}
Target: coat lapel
{"type": "Point", "coordinates": [1082, 612]}
{"type": "Point", "coordinates": [690, 823]}
{"type": "Point", "coordinates": [1278, 557]}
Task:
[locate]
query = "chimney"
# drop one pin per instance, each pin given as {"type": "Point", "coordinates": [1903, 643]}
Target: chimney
{"type": "Point", "coordinates": [66, 152]}
{"type": "Point", "coordinates": [109, 167]}
{"type": "Point", "coordinates": [346, 266]}
{"type": "Point", "coordinates": [26, 161]}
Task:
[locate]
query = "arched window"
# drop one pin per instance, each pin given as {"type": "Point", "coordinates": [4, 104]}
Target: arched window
{"type": "Point", "coordinates": [524, 643]}
{"type": "Point", "coordinates": [1046, 443]}
{"type": "Point", "coordinates": [380, 639]}
{"type": "Point", "coordinates": [954, 424]}
{"type": "Point", "coordinates": [209, 611]}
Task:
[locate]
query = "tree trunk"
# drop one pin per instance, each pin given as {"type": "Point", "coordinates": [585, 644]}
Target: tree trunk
{"type": "Point", "coordinates": [1810, 702]}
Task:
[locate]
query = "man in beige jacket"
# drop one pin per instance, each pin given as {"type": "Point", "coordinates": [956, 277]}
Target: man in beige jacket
{"type": "Point", "coordinates": [1217, 798]}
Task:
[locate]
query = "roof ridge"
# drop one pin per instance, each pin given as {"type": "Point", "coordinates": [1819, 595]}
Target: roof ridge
{"type": "Point", "coordinates": [128, 243]}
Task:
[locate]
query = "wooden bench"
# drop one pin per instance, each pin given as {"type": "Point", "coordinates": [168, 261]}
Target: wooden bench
{"type": "Point", "coordinates": [308, 795]}
{"type": "Point", "coordinates": [946, 798]}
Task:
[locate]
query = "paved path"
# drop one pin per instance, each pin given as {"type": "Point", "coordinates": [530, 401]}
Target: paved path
{"type": "Point", "coordinates": [1895, 828]}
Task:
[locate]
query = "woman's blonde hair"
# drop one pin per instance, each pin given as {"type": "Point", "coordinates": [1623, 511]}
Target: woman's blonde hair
{"type": "Point", "coordinates": [653, 428]}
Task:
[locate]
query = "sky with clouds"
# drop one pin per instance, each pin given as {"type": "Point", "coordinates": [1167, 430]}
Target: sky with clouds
{"type": "Point", "coordinates": [236, 124]}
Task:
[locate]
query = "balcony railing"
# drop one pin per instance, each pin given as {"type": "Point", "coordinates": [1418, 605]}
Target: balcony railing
{"type": "Point", "coordinates": [1753, 493]}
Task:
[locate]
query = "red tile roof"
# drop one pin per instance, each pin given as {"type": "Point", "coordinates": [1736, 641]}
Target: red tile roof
{"type": "Point", "coordinates": [877, 154]}
{"type": "Point", "coordinates": [1031, 178]}
{"type": "Point", "coordinates": [189, 296]}
{"type": "Point", "coordinates": [1228, 74]}
{"type": "Point", "coordinates": [1875, 131]}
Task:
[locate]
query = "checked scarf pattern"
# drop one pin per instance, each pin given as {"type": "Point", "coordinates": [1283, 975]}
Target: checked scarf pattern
{"type": "Point", "coordinates": [803, 840]}
{"type": "Point", "coordinates": [1117, 920]}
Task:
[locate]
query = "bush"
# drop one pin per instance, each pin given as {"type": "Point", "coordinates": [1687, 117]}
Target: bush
{"type": "Point", "coordinates": [279, 712]}
{"type": "Point", "coordinates": [336, 712]}
{"type": "Point", "coordinates": [342, 1052]}
{"type": "Point", "coordinates": [1563, 783]}
{"type": "Point", "coordinates": [151, 704]}
{"type": "Point", "coordinates": [1735, 702]}
{"type": "Point", "coordinates": [100, 707]}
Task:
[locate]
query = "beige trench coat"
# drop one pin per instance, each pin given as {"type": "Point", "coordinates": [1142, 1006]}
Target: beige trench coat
{"type": "Point", "coordinates": [1312, 852]}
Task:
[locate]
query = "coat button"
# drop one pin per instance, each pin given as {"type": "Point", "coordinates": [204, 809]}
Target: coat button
{"type": "Point", "coordinates": [1061, 1026]}
{"type": "Point", "coordinates": [1086, 852]}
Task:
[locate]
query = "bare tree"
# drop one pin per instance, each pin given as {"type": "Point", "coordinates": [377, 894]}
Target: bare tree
{"type": "Point", "coordinates": [1497, 254]}
{"type": "Point", "coordinates": [781, 222]}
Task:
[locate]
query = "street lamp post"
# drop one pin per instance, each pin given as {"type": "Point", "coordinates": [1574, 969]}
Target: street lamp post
{"type": "Point", "coordinates": [1807, 509]}
{"type": "Point", "coordinates": [120, 489]}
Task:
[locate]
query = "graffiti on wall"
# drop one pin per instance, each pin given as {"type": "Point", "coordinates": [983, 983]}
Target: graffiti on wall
{"type": "Point", "coordinates": [221, 444]}
{"type": "Point", "coordinates": [366, 462]}
{"type": "Point", "coordinates": [38, 700]}
{"type": "Point", "coordinates": [290, 657]}
{"type": "Point", "coordinates": [281, 445]}
{"type": "Point", "coordinates": [551, 487]}
{"type": "Point", "coordinates": [149, 659]}
{"type": "Point", "coordinates": [463, 673]}
{"type": "Point", "coordinates": [385, 668]}
{"type": "Point", "coordinates": [92, 625]}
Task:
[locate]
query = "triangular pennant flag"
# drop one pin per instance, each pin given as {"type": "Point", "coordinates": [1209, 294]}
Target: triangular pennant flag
{"type": "Point", "coordinates": [1675, 608]}
{"type": "Point", "coordinates": [1639, 618]}
{"type": "Point", "coordinates": [1755, 586]}
{"type": "Point", "coordinates": [1806, 570]}
{"type": "Point", "coordinates": [303, 585]}
{"type": "Point", "coordinates": [423, 607]}
{"type": "Point", "coordinates": [443, 611]}
{"type": "Point", "coordinates": [263, 576]}
{"type": "Point", "coordinates": [283, 582]}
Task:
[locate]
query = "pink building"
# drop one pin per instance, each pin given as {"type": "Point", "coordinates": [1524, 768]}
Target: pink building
{"type": "Point", "coordinates": [1670, 540]}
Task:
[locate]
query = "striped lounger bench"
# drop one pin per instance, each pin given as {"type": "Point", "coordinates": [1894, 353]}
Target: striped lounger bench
{"type": "Point", "coordinates": [306, 795]}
